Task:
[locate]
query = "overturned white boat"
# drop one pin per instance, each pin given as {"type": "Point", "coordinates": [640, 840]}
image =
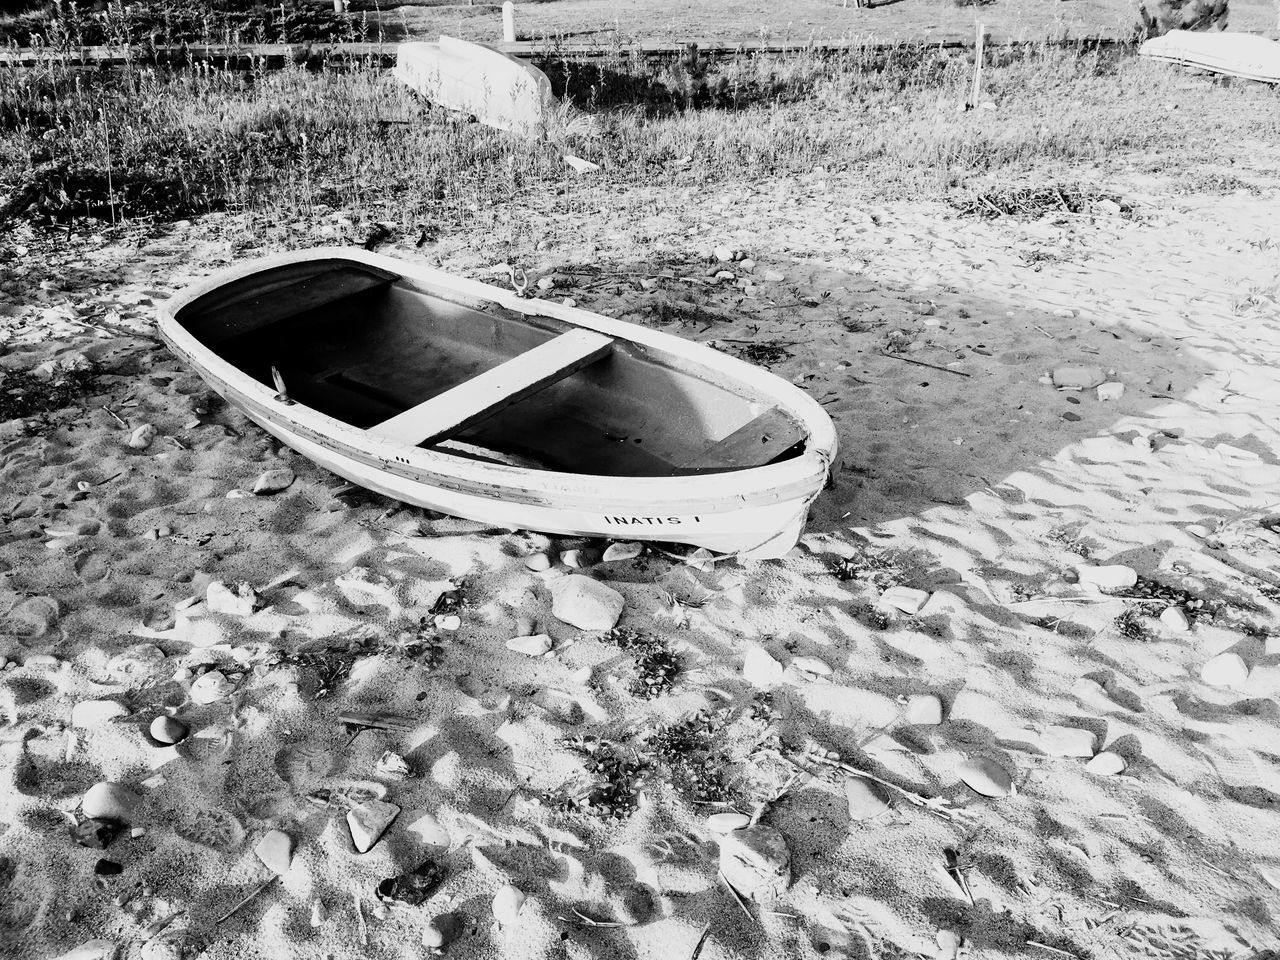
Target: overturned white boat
{"type": "Point", "coordinates": [475, 79]}
{"type": "Point", "coordinates": [1244, 55]}
{"type": "Point", "coordinates": [468, 399]}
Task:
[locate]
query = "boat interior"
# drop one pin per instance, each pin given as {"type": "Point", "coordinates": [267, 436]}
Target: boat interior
{"type": "Point", "coordinates": [428, 368]}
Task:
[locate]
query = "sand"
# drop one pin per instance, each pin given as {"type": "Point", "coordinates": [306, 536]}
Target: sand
{"type": "Point", "coordinates": [965, 475]}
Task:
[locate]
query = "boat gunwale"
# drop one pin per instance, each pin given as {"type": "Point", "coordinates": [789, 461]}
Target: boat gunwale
{"type": "Point", "coordinates": [799, 477]}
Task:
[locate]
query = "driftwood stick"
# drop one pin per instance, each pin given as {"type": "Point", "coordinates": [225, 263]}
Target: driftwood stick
{"type": "Point", "coordinates": [245, 902]}
{"type": "Point", "coordinates": [921, 363]}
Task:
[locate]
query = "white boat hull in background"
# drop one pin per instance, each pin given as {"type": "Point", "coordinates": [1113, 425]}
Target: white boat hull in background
{"type": "Point", "coordinates": [1243, 55]}
{"type": "Point", "coordinates": [472, 78]}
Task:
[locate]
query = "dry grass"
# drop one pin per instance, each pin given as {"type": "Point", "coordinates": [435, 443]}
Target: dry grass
{"type": "Point", "coordinates": [157, 142]}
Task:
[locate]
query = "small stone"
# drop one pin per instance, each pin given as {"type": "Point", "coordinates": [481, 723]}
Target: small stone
{"type": "Point", "coordinates": [866, 799]}
{"type": "Point", "coordinates": [760, 669]}
{"type": "Point", "coordinates": [414, 888]}
{"type": "Point", "coordinates": [622, 551]}
{"type": "Point", "coordinates": [141, 438]}
{"type": "Point", "coordinates": [430, 831]}
{"type": "Point", "coordinates": [949, 943]}
{"type": "Point", "coordinates": [1106, 764]}
{"type": "Point", "coordinates": [137, 660]}
{"type": "Point", "coordinates": [747, 265]}
{"type": "Point", "coordinates": [273, 481]}
{"type": "Point", "coordinates": [275, 850]}
{"type": "Point", "coordinates": [725, 275]}
{"type": "Point", "coordinates": [507, 904]}
{"type": "Point", "coordinates": [1059, 741]}
{"type": "Point", "coordinates": [95, 834]}
{"type": "Point", "coordinates": [394, 766]}
{"type": "Point", "coordinates": [113, 802]}
{"type": "Point", "coordinates": [578, 559]}
{"type": "Point", "coordinates": [1077, 377]}
{"type": "Point", "coordinates": [1111, 390]}
{"type": "Point", "coordinates": [819, 668]}
{"type": "Point", "coordinates": [723, 254]}
{"type": "Point", "coordinates": [1175, 618]}
{"type": "Point", "coordinates": [94, 713]}
{"type": "Point", "coordinates": [546, 283]}
{"type": "Point", "coordinates": [1225, 670]}
{"type": "Point", "coordinates": [727, 822]}
{"type": "Point", "coordinates": [211, 687]}
{"type": "Point", "coordinates": [369, 821]}
{"type": "Point", "coordinates": [538, 562]}
{"type": "Point", "coordinates": [906, 599]}
{"type": "Point", "coordinates": [923, 709]}
{"type": "Point", "coordinates": [585, 603]}
{"type": "Point", "coordinates": [756, 862]}
{"type": "Point", "coordinates": [433, 935]}
{"type": "Point", "coordinates": [238, 601]}
{"type": "Point", "coordinates": [773, 276]}
{"type": "Point", "coordinates": [986, 777]}
{"type": "Point", "coordinates": [319, 914]}
{"type": "Point", "coordinates": [168, 730]}
{"type": "Point", "coordinates": [1106, 579]}
{"type": "Point", "coordinates": [534, 646]}
{"type": "Point", "coordinates": [448, 622]}
{"type": "Point", "coordinates": [238, 494]}
{"type": "Point", "coordinates": [97, 949]}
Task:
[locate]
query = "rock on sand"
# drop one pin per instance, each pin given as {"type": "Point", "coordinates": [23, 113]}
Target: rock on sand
{"type": "Point", "coordinates": [585, 603]}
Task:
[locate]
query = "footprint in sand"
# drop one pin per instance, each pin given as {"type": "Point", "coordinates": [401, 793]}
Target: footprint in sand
{"type": "Point", "coordinates": [216, 829]}
{"type": "Point", "coordinates": [31, 619]}
{"type": "Point", "coordinates": [304, 765]}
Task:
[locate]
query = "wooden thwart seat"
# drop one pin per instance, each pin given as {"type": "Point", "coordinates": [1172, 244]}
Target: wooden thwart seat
{"type": "Point", "coordinates": [754, 444]}
{"type": "Point", "coordinates": [485, 395]}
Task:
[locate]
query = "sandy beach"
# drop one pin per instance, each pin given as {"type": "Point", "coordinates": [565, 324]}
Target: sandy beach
{"type": "Point", "coordinates": [1014, 694]}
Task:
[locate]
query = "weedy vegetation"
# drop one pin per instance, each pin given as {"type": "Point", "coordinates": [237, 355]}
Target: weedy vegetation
{"type": "Point", "coordinates": [168, 141]}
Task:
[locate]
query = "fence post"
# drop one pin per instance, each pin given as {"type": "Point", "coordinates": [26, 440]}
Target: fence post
{"type": "Point", "coordinates": [509, 22]}
{"type": "Point", "coordinates": [976, 90]}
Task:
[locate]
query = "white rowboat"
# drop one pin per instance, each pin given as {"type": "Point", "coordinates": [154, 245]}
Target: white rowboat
{"type": "Point", "coordinates": [477, 80]}
{"type": "Point", "coordinates": [1243, 55]}
{"type": "Point", "coordinates": [471, 400]}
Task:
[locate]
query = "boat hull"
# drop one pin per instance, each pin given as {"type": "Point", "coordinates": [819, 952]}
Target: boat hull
{"type": "Point", "coordinates": [1243, 55]}
{"type": "Point", "coordinates": [757, 512]}
{"type": "Point", "coordinates": [475, 79]}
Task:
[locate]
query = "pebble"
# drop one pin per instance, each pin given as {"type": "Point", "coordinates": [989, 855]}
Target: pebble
{"type": "Point", "coordinates": [141, 658]}
{"type": "Point", "coordinates": [169, 730]}
{"type": "Point", "coordinates": [273, 481]}
{"type": "Point", "coordinates": [866, 799]}
{"type": "Point", "coordinates": [1106, 764]}
{"type": "Point", "coordinates": [585, 603]}
{"type": "Point", "coordinates": [906, 599]}
{"type": "Point", "coordinates": [760, 669]}
{"type": "Point", "coordinates": [747, 265]}
{"type": "Point", "coordinates": [546, 283]}
{"type": "Point", "coordinates": [433, 935]}
{"type": "Point", "coordinates": [1059, 741]}
{"type": "Point", "coordinates": [813, 665]}
{"type": "Point", "coordinates": [756, 861]}
{"type": "Point", "coordinates": [394, 766]}
{"type": "Point", "coordinates": [93, 713]}
{"type": "Point", "coordinates": [507, 904]}
{"type": "Point", "coordinates": [985, 777]}
{"type": "Point", "coordinates": [723, 254]}
{"type": "Point", "coordinates": [1225, 670]}
{"type": "Point", "coordinates": [142, 437]}
{"type": "Point", "coordinates": [275, 850]}
{"type": "Point", "coordinates": [949, 944]}
{"type": "Point", "coordinates": [430, 831]}
{"type": "Point", "coordinates": [113, 802]}
{"type": "Point", "coordinates": [96, 949]}
{"type": "Point", "coordinates": [1175, 618]}
{"type": "Point", "coordinates": [238, 601]}
{"type": "Point", "coordinates": [449, 621]}
{"type": "Point", "coordinates": [1106, 578]}
{"type": "Point", "coordinates": [414, 888]}
{"type": "Point", "coordinates": [538, 562]}
{"type": "Point", "coordinates": [622, 551]}
{"type": "Point", "coordinates": [211, 687]}
{"type": "Point", "coordinates": [369, 821]}
{"type": "Point", "coordinates": [578, 559]}
{"type": "Point", "coordinates": [1076, 376]}
{"type": "Point", "coordinates": [534, 646]}
{"type": "Point", "coordinates": [318, 913]}
{"type": "Point", "coordinates": [720, 823]}
{"type": "Point", "coordinates": [1111, 390]}
{"type": "Point", "coordinates": [924, 709]}
{"type": "Point", "coordinates": [773, 276]}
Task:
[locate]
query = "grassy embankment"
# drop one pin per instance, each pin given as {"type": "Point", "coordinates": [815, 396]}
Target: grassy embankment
{"type": "Point", "coordinates": [175, 142]}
